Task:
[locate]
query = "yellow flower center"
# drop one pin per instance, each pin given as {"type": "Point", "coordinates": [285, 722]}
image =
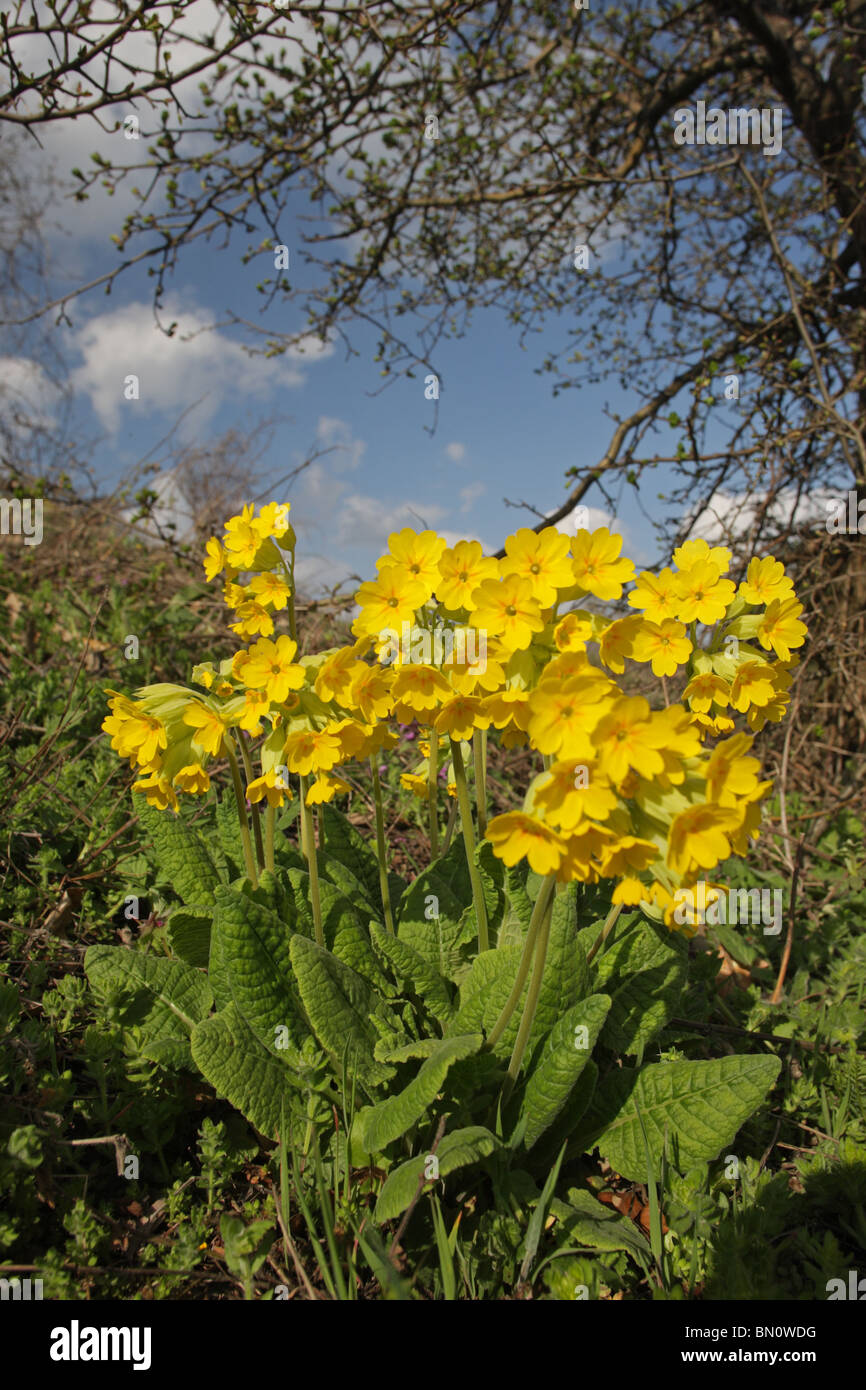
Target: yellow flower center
{"type": "Point", "coordinates": [511, 610]}
{"type": "Point", "coordinates": [393, 602]}
{"type": "Point", "coordinates": [534, 569]}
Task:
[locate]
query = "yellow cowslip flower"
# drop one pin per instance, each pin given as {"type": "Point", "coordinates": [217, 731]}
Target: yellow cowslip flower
{"type": "Point", "coordinates": [765, 580]}
{"type": "Point", "coordinates": [629, 852]}
{"type": "Point", "coordinates": [597, 567]}
{"type": "Point", "coordinates": [699, 838]}
{"type": "Point", "coordinates": [351, 736]}
{"type": "Point", "coordinates": [370, 693]}
{"type": "Point", "coordinates": [679, 734]}
{"type": "Point", "coordinates": [459, 716]}
{"type": "Point", "coordinates": [462, 568]}
{"type": "Point", "coordinates": [516, 836]}
{"type": "Point", "coordinates": [631, 892]}
{"type": "Point", "coordinates": [568, 664]}
{"type": "Point", "coordinates": [582, 850]}
{"type": "Point", "coordinates": [753, 685]}
{"type": "Point", "coordinates": [273, 522]}
{"type": "Point", "coordinates": [508, 611]}
{"type": "Point", "coordinates": [656, 594]}
{"type": "Point", "coordinates": [192, 779]}
{"type": "Point", "coordinates": [242, 539]}
{"type": "Point", "coordinates": [215, 559]}
{"type": "Point", "coordinates": [542, 558]}
{"type": "Point", "coordinates": [272, 668]}
{"type": "Point", "coordinates": [419, 553]}
{"type": "Point", "coordinates": [664, 644]}
{"type": "Point", "coordinates": [751, 814]}
{"type": "Point", "coordinates": [615, 642]}
{"type": "Point", "coordinates": [136, 735]}
{"type": "Point", "coordinates": [773, 713]}
{"type": "Point", "coordinates": [705, 690]}
{"type": "Point", "coordinates": [692, 552]}
{"type": "Point", "coordinates": [415, 782]}
{"type": "Point", "coordinates": [417, 691]}
{"type": "Point", "coordinates": [240, 661]}
{"type": "Point", "coordinates": [564, 714]}
{"type": "Point", "coordinates": [627, 737]}
{"type": "Point", "coordinates": [311, 750]}
{"type": "Point", "coordinates": [508, 708]}
{"type": "Point", "coordinates": [158, 790]}
{"type": "Point", "coordinates": [211, 730]}
{"type": "Point", "coordinates": [389, 601]}
{"type": "Point", "coordinates": [572, 632]}
{"type": "Point", "coordinates": [781, 629]}
{"type": "Point", "coordinates": [325, 788]}
{"type": "Point", "coordinates": [703, 595]}
{"type": "Point", "coordinates": [572, 792]}
{"type": "Point", "coordinates": [234, 594]}
{"type": "Point", "coordinates": [730, 774]}
{"type": "Point", "coordinates": [253, 621]}
{"type": "Point", "coordinates": [472, 678]}
{"type": "Point", "coordinates": [256, 704]}
{"type": "Point", "coordinates": [270, 590]}
{"type": "Point", "coordinates": [721, 724]}
{"type": "Point", "coordinates": [336, 673]}
{"type": "Point", "coordinates": [266, 787]}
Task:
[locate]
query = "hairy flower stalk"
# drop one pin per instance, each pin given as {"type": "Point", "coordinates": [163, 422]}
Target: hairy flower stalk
{"type": "Point", "coordinates": [469, 843]}
{"type": "Point", "coordinates": [380, 847]}
{"type": "Point", "coordinates": [312, 861]}
{"type": "Point", "coordinates": [257, 827]}
{"type": "Point", "coordinates": [433, 793]}
{"type": "Point", "coordinates": [539, 911]}
{"type": "Point", "coordinates": [240, 799]}
{"type": "Point", "coordinates": [531, 1004]}
{"type": "Point", "coordinates": [479, 754]}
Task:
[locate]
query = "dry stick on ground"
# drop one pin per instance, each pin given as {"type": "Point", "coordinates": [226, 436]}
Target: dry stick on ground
{"type": "Point", "coordinates": [392, 1253]}
{"type": "Point", "coordinates": [290, 1246]}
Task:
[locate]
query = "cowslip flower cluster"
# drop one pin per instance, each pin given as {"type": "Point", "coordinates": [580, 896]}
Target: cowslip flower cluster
{"type": "Point", "coordinates": [652, 793]}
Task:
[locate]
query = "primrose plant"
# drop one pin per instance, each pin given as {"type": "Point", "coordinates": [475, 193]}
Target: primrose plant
{"type": "Point", "coordinates": [503, 1002]}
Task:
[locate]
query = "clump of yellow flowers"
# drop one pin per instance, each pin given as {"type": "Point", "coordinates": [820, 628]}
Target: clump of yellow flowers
{"type": "Point", "coordinates": [651, 791]}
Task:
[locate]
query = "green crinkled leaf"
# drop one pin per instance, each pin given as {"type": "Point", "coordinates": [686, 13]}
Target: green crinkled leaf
{"type": "Point", "coordinates": [347, 845]}
{"type": "Point", "coordinates": [255, 946]}
{"type": "Point", "coordinates": [338, 1002]}
{"type": "Point", "coordinates": [274, 893]}
{"type": "Point", "coordinates": [561, 1063]}
{"type": "Point", "coordinates": [181, 855]}
{"type": "Point", "coordinates": [409, 965]}
{"type": "Point", "coordinates": [568, 1119]}
{"type": "Point", "coordinates": [337, 910]}
{"type": "Point", "coordinates": [566, 973]}
{"type": "Point", "coordinates": [352, 946]}
{"type": "Point", "coordinates": [170, 997]}
{"type": "Point", "coordinates": [381, 1124]}
{"type": "Point", "coordinates": [399, 1048]}
{"type": "Point", "coordinates": [644, 974]}
{"type": "Point", "coordinates": [350, 886]}
{"type": "Point", "coordinates": [703, 1105]}
{"type": "Point", "coordinates": [591, 1223]}
{"type": "Point", "coordinates": [487, 985]}
{"type": "Point", "coordinates": [189, 936]}
{"type": "Point", "coordinates": [457, 1150]}
{"type": "Point", "coordinates": [448, 880]}
{"type": "Point", "coordinates": [217, 974]}
{"type": "Point", "coordinates": [518, 912]}
{"type": "Point", "coordinates": [229, 831]}
{"type": "Point", "coordinates": [255, 1081]}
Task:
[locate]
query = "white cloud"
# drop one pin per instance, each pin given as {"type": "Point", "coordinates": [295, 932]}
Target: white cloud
{"type": "Point", "coordinates": [455, 452]}
{"type": "Point", "coordinates": [197, 364]}
{"type": "Point", "coordinates": [588, 519]}
{"type": "Point", "coordinates": [368, 521]}
{"type": "Point", "coordinates": [733, 516]}
{"type": "Point", "coordinates": [337, 434]}
{"type": "Point", "coordinates": [29, 395]}
{"type": "Point", "coordinates": [470, 494]}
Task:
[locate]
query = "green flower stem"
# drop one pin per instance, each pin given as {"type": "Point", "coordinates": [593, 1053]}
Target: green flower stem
{"type": "Point", "coordinates": [469, 842]}
{"type": "Point", "coordinates": [380, 847]}
{"type": "Point", "coordinates": [240, 798]}
{"type": "Point", "coordinates": [609, 924]}
{"type": "Point", "coordinates": [539, 911]}
{"type": "Point", "coordinates": [257, 823]}
{"type": "Point", "coordinates": [449, 828]}
{"type": "Point", "coordinates": [433, 793]}
{"type": "Point", "coordinates": [312, 863]}
{"type": "Point", "coordinates": [270, 821]}
{"type": "Point", "coordinates": [529, 1007]}
{"type": "Point", "coordinates": [479, 754]}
